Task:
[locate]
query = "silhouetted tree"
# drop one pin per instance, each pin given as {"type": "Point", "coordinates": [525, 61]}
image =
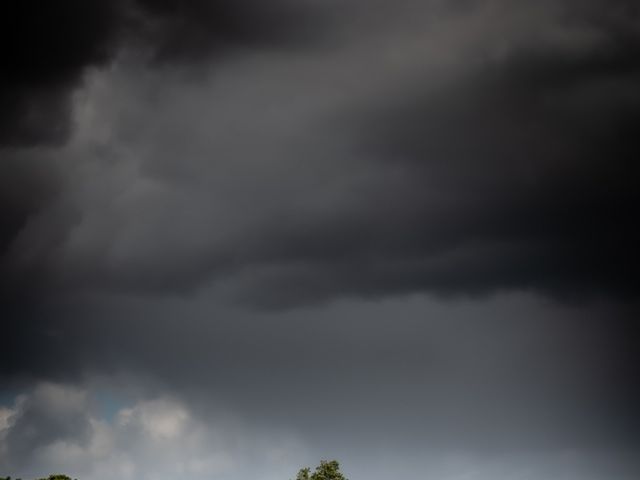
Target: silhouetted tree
{"type": "Point", "coordinates": [57, 476]}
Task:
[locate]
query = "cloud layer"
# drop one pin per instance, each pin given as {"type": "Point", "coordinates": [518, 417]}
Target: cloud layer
{"type": "Point", "coordinates": [500, 159]}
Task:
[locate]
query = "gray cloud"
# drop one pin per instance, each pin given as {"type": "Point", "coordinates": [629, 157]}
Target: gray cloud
{"type": "Point", "coordinates": [151, 437]}
{"type": "Point", "coordinates": [46, 49]}
{"type": "Point", "coordinates": [501, 161]}
{"type": "Point", "coordinates": [511, 373]}
{"type": "Point", "coordinates": [513, 381]}
{"type": "Point", "coordinates": [47, 416]}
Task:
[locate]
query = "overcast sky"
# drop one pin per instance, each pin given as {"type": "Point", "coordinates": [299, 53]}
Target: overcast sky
{"type": "Point", "coordinates": [238, 237]}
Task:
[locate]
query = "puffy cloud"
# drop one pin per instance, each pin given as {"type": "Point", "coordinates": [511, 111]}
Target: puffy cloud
{"type": "Point", "coordinates": [59, 428]}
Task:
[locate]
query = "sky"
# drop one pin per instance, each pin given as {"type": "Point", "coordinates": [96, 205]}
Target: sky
{"type": "Point", "coordinates": [238, 237]}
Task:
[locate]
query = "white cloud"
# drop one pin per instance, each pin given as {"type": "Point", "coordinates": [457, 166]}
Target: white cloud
{"type": "Point", "coordinates": [5, 415]}
{"type": "Point", "coordinates": [161, 419]}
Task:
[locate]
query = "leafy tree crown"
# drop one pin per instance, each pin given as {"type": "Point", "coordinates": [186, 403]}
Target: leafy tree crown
{"type": "Point", "coordinates": [327, 470]}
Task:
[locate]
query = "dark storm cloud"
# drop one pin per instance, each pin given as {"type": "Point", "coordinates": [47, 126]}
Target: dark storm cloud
{"type": "Point", "coordinates": [509, 167]}
{"type": "Point", "coordinates": [15, 205]}
{"type": "Point", "coordinates": [46, 48]}
{"type": "Point", "coordinates": [530, 165]}
{"type": "Point", "coordinates": [518, 173]}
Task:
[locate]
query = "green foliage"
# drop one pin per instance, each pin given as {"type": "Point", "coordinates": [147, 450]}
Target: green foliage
{"type": "Point", "coordinates": [327, 470]}
{"type": "Point", "coordinates": [57, 476]}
